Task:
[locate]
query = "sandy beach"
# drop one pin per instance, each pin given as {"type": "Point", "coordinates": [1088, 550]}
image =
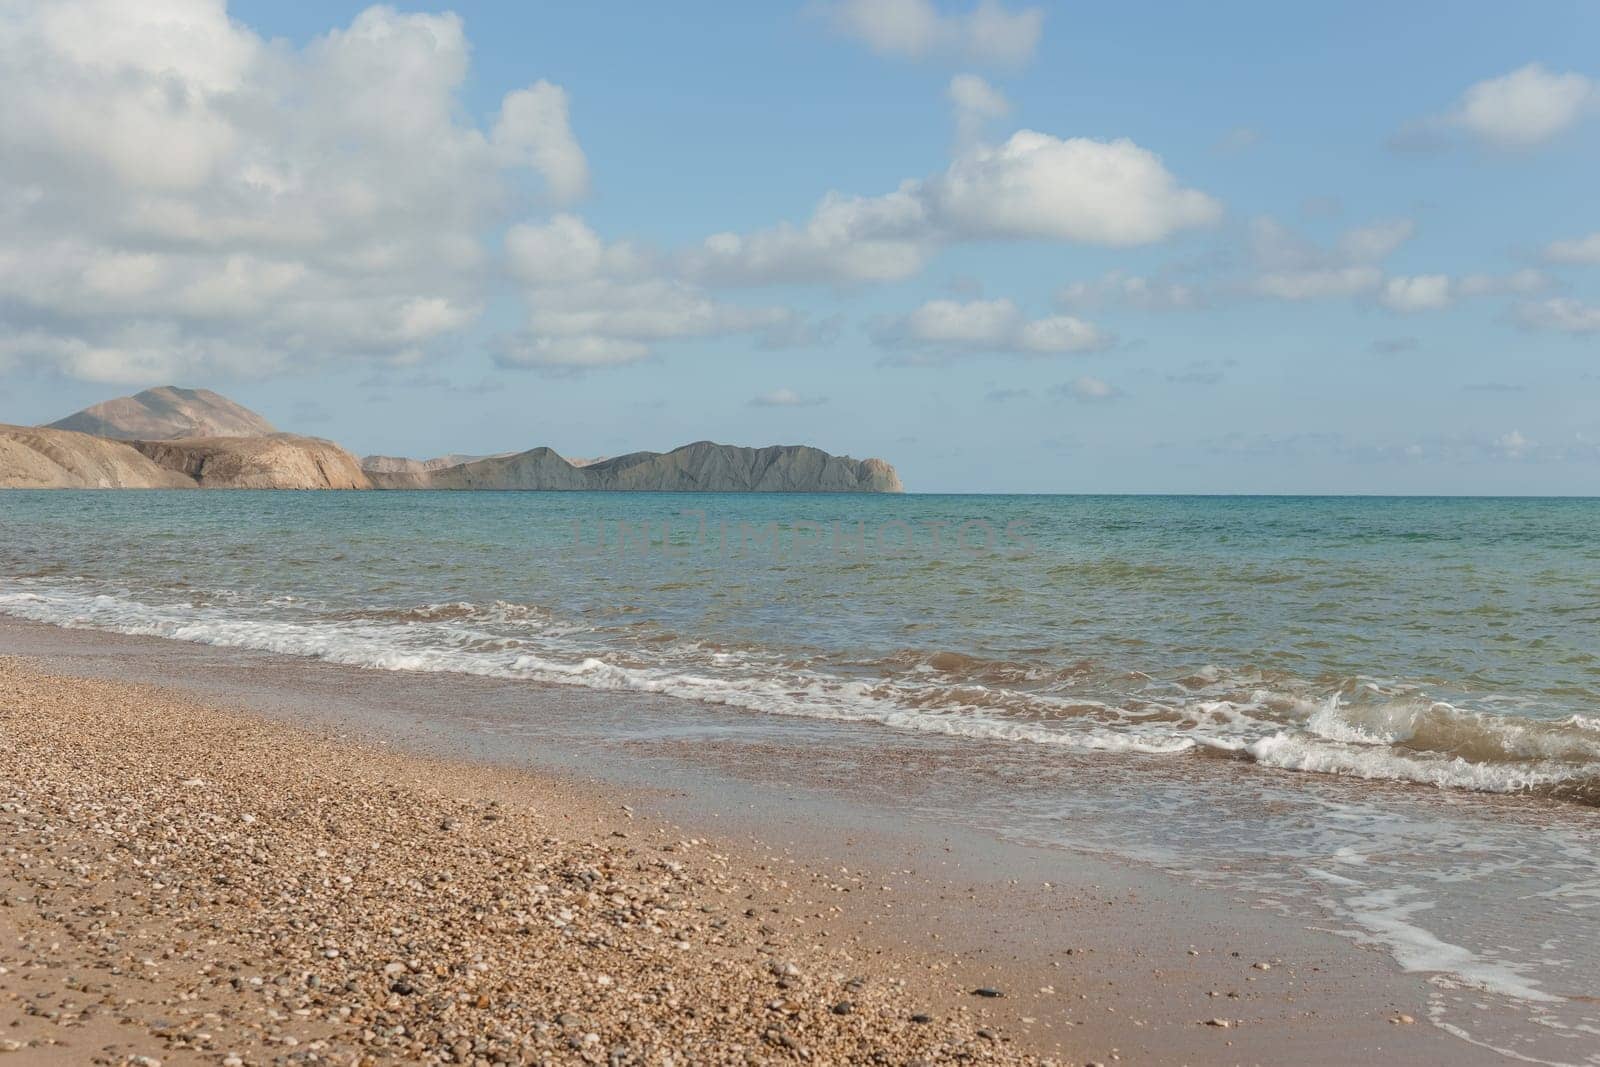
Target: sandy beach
{"type": "Point", "coordinates": [190, 882]}
{"type": "Point", "coordinates": [186, 885]}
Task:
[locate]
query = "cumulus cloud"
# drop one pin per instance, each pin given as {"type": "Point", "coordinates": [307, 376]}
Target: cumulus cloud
{"type": "Point", "coordinates": [533, 129]}
{"type": "Point", "coordinates": [593, 303]}
{"type": "Point", "coordinates": [1290, 267]}
{"type": "Point", "coordinates": [975, 103]}
{"type": "Point", "coordinates": [1561, 314]}
{"type": "Point", "coordinates": [1112, 193]}
{"type": "Point", "coordinates": [847, 239]}
{"type": "Point", "coordinates": [1522, 282]}
{"type": "Point", "coordinates": [1317, 283]}
{"type": "Point", "coordinates": [181, 197]}
{"type": "Point", "coordinates": [1368, 244]}
{"type": "Point", "coordinates": [948, 327]}
{"type": "Point", "coordinates": [1524, 108]}
{"type": "Point", "coordinates": [786, 398]}
{"type": "Point", "coordinates": [1421, 292]}
{"type": "Point", "coordinates": [1032, 187]}
{"type": "Point", "coordinates": [916, 29]}
{"type": "Point", "coordinates": [1116, 288]}
{"type": "Point", "coordinates": [1513, 445]}
{"type": "Point", "coordinates": [1577, 250]}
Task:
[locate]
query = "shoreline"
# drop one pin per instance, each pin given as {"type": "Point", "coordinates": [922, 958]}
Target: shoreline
{"type": "Point", "coordinates": [1136, 967]}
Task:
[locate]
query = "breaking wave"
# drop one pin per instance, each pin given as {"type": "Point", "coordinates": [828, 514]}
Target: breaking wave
{"type": "Point", "coordinates": [1361, 730]}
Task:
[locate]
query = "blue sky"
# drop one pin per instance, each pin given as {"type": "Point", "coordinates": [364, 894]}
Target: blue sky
{"type": "Point", "coordinates": [1245, 247]}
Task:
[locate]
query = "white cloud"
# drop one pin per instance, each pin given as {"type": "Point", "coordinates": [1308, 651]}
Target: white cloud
{"type": "Point", "coordinates": [1088, 390]}
{"type": "Point", "coordinates": [1034, 186]}
{"type": "Point", "coordinates": [1562, 314]}
{"type": "Point", "coordinates": [1421, 292]}
{"type": "Point", "coordinates": [1289, 267]}
{"type": "Point", "coordinates": [1318, 283]}
{"type": "Point", "coordinates": [916, 29]}
{"type": "Point", "coordinates": [975, 103]}
{"type": "Point", "coordinates": [181, 197]}
{"type": "Point", "coordinates": [1369, 244]}
{"type": "Point", "coordinates": [1130, 290]}
{"type": "Point", "coordinates": [952, 326]}
{"type": "Point", "coordinates": [1577, 250]}
{"type": "Point", "coordinates": [533, 129]}
{"type": "Point", "coordinates": [1522, 281]}
{"type": "Point", "coordinates": [1524, 108]}
{"type": "Point", "coordinates": [847, 239]}
{"type": "Point", "coordinates": [1513, 445]}
{"type": "Point", "coordinates": [564, 249]}
{"type": "Point", "coordinates": [786, 398]}
{"type": "Point", "coordinates": [593, 304]}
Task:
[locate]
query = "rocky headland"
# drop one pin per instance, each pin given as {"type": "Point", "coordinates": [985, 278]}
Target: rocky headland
{"type": "Point", "coordinates": [172, 438]}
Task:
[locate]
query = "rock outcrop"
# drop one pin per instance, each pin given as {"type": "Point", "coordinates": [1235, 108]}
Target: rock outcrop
{"type": "Point", "coordinates": [167, 414]}
{"type": "Point", "coordinates": [34, 458]}
{"type": "Point", "coordinates": [281, 461]}
{"type": "Point", "coordinates": [401, 465]}
{"type": "Point", "coordinates": [703, 467]}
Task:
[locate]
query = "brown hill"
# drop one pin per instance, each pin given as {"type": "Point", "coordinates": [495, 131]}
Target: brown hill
{"type": "Point", "coordinates": [34, 458]}
{"type": "Point", "coordinates": [281, 461]}
{"type": "Point", "coordinates": [167, 414]}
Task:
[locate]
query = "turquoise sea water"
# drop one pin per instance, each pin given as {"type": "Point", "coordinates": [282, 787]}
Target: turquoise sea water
{"type": "Point", "coordinates": [1385, 712]}
{"type": "Point", "coordinates": [1448, 641]}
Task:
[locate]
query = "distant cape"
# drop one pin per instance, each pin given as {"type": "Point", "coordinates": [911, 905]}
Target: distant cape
{"type": "Point", "coordinates": [703, 467]}
{"type": "Point", "coordinates": [172, 438]}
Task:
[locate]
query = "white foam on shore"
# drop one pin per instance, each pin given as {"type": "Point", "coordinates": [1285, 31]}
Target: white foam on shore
{"type": "Point", "coordinates": [1387, 916]}
{"type": "Point", "coordinates": [389, 647]}
{"type": "Point", "coordinates": [1375, 739]}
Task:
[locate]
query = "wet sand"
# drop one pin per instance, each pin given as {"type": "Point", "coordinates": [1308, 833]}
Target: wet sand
{"type": "Point", "coordinates": [384, 779]}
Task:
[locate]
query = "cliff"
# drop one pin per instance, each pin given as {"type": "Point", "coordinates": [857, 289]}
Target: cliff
{"type": "Point", "coordinates": [167, 414]}
{"type": "Point", "coordinates": [34, 458]}
{"type": "Point", "coordinates": [703, 467]}
{"type": "Point", "coordinates": [281, 461]}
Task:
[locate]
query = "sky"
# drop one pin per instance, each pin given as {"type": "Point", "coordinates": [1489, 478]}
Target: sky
{"type": "Point", "coordinates": [1087, 247]}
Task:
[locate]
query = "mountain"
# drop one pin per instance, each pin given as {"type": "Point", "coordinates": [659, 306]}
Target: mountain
{"type": "Point", "coordinates": [401, 465]}
{"type": "Point", "coordinates": [279, 461]}
{"type": "Point", "coordinates": [167, 414]}
{"type": "Point", "coordinates": [171, 438]}
{"type": "Point", "coordinates": [35, 458]}
{"type": "Point", "coordinates": [704, 467]}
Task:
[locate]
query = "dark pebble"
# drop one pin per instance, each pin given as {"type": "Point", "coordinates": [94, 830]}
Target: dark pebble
{"type": "Point", "coordinates": [987, 992]}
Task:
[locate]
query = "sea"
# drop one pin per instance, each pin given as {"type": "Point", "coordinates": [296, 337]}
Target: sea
{"type": "Point", "coordinates": [1380, 716]}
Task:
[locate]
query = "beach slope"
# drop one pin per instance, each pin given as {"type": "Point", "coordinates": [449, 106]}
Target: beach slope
{"type": "Point", "coordinates": [186, 884]}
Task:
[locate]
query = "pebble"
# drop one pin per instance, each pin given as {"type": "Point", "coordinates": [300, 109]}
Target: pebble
{"type": "Point", "coordinates": [300, 921]}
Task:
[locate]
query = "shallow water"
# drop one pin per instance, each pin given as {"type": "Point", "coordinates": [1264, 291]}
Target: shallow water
{"type": "Point", "coordinates": [1248, 678]}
